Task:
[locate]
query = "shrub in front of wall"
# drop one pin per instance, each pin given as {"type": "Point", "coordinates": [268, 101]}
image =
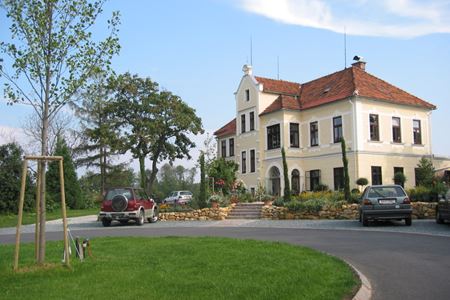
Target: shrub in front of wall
{"type": "Point", "coordinates": [294, 205]}
{"type": "Point", "coordinates": [278, 202]}
{"type": "Point", "coordinates": [420, 193]}
{"type": "Point", "coordinates": [313, 205]}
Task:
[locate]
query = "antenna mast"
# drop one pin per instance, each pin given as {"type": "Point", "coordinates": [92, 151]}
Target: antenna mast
{"type": "Point", "coordinates": [251, 51]}
{"type": "Point", "coordinates": [278, 67]}
{"type": "Point", "coordinates": [345, 47]}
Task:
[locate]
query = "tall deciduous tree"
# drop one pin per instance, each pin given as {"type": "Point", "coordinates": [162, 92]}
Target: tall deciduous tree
{"type": "Point", "coordinates": [151, 123]}
{"type": "Point", "coordinates": [287, 189]}
{"type": "Point", "coordinates": [53, 55]}
{"type": "Point", "coordinates": [347, 194]}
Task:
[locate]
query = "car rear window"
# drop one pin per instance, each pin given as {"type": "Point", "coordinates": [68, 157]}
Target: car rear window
{"type": "Point", "coordinates": [386, 191]}
{"type": "Point", "coordinates": [114, 192]}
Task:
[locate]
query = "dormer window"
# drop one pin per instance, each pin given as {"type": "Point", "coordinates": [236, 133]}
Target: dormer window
{"type": "Point", "coordinates": [247, 95]}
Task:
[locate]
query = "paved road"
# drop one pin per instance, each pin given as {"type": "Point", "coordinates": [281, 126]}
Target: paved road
{"type": "Point", "coordinates": [400, 262]}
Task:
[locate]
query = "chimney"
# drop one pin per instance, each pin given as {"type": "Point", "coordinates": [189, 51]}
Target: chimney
{"type": "Point", "coordinates": [247, 69]}
{"type": "Point", "coordinates": [359, 62]}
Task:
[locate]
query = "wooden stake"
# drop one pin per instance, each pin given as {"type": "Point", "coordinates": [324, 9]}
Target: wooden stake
{"type": "Point", "coordinates": [64, 216]}
{"type": "Point", "coordinates": [19, 219]}
{"type": "Point", "coordinates": [38, 200]}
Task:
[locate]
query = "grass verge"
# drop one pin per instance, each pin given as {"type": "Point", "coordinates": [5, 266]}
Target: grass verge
{"type": "Point", "coordinates": [180, 268]}
{"type": "Point", "coordinates": [10, 220]}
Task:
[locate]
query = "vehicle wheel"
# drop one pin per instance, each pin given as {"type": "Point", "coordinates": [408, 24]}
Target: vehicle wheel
{"type": "Point", "coordinates": [408, 221]}
{"type": "Point", "coordinates": [141, 219]}
{"type": "Point", "coordinates": [123, 222]}
{"type": "Point", "coordinates": [106, 222]}
{"type": "Point", "coordinates": [155, 217]}
{"type": "Point", "coordinates": [439, 219]}
{"type": "Point", "coordinates": [365, 221]}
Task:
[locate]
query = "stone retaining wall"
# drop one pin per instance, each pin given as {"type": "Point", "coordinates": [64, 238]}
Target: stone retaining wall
{"type": "Point", "coordinates": [421, 210]}
{"type": "Point", "coordinates": [206, 214]}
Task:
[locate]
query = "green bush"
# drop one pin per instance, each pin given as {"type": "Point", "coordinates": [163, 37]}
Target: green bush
{"type": "Point", "coordinates": [245, 197]}
{"type": "Point", "coordinates": [294, 205]}
{"type": "Point", "coordinates": [308, 206]}
{"type": "Point", "coordinates": [278, 202]}
{"type": "Point", "coordinates": [420, 193]}
{"type": "Point", "coordinates": [321, 188]}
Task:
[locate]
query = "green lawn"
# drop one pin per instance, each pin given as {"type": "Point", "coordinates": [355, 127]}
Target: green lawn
{"type": "Point", "coordinates": [180, 268]}
{"type": "Point", "coordinates": [10, 220]}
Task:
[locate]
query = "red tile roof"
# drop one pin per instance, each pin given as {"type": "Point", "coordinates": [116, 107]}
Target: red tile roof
{"type": "Point", "coordinates": [370, 86]}
{"type": "Point", "coordinates": [334, 87]}
{"type": "Point", "coordinates": [279, 86]}
{"type": "Point", "coordinates": [283, 102]}
{"type": "Point", "coordinates": [228, 129]}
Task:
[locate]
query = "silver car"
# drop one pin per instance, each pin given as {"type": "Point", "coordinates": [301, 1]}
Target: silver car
{"type": "Point", "coordinates": [178, 197]}
{"type": "Point", "coordinates": [384, 202]}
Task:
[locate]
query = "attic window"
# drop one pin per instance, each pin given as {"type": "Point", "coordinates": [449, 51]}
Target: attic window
{"type": "Point", "coordinates": [326, 90]}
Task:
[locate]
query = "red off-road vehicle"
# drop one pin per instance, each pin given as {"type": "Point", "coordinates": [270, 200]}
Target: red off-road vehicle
{"type": "Point", "coordinates": [127, 203]}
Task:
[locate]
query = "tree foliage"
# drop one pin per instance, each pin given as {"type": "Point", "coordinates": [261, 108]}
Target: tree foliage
{"type": "Point", "coordinates": [425, 172]}
{"type": "Point", "coordinates": [151, 123]}
{"type": "Point", "coordinates": [53, 55]}
{"type": "Point", "coordinates": [96, 149]}
{"type": "Point", "coordinates": [174, 178]}
{"type": "Point", "coordinates": [362, 181]}
{"type": "Point", "coordinates": [287, 190]}
{"type": "Point", "coordinates": [75, 199]}
{"type": "Point", "coordinates": [202, 198]}
{"type": "Point", "coordinates": [399, 178]}
{"type": "Point", "coordinates": [221, 169]}
{"type": "Point", "coordinates": [10, 179]}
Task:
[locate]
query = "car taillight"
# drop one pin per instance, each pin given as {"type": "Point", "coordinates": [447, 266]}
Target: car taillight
{"type": "Point", "coordinates": [406, 201]}
{"type": "Point", "coordinates": [367, 202]}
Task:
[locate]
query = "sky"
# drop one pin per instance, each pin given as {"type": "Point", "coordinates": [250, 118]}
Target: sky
{"type": "Point", "coordinates": [196, 49]}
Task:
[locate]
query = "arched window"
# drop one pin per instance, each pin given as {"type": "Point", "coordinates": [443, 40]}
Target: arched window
{"type": "Point", "coordinates": [274, 181]}
{"type": "Point", "coordinates": [295, 181]}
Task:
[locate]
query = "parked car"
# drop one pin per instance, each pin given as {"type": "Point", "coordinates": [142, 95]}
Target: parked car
{"type": "Point", "coordinates": [178, 197]}
{"type": "Point", "coordinates": [384, 202]}
{"type": "Point", "coordinates": [126, 203]}
{"type": "Point", "coordinates": [443, 209]}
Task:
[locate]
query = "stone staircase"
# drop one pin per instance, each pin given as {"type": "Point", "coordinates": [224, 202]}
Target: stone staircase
{"type": "Point", "coordinates": [246, 211]}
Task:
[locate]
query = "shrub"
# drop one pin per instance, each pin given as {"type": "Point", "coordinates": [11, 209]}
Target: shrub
{"type": "Point", "coordinates": [419, 193]}
{"type": "Point", "coordinates": [294, 205]}
{"type": "Point", "coordinates": [278, 202]}
{"type": "Point", "coordinates": [246, 197]}
{"type": "Point", "coordinates": [399, 178]}
{"type": "Point", "coordinates": [362, 181]}
{"type": "Point", "coordinates": [321, 187]}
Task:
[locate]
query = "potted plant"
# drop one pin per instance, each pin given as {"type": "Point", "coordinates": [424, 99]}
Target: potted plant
{"type": "Point", "coordinates": [215, 200]}
{"type": "Point", "coordinates": [267, 199]}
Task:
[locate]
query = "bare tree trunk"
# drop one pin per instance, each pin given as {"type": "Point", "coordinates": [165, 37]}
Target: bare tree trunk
{"type": "Point", "coordinates": [153, 172]}
{"type": "Point", "coordinates": [142, 171]}
{"type": "Point", "coordinates": [44, 145]}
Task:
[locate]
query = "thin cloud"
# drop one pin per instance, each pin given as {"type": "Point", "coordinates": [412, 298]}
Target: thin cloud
{"type": "Point", "coordinates": [386, 18]}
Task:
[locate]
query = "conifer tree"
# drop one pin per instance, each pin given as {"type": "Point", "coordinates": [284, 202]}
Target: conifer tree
{"type": "Point", "coordinates": [74, 197]}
